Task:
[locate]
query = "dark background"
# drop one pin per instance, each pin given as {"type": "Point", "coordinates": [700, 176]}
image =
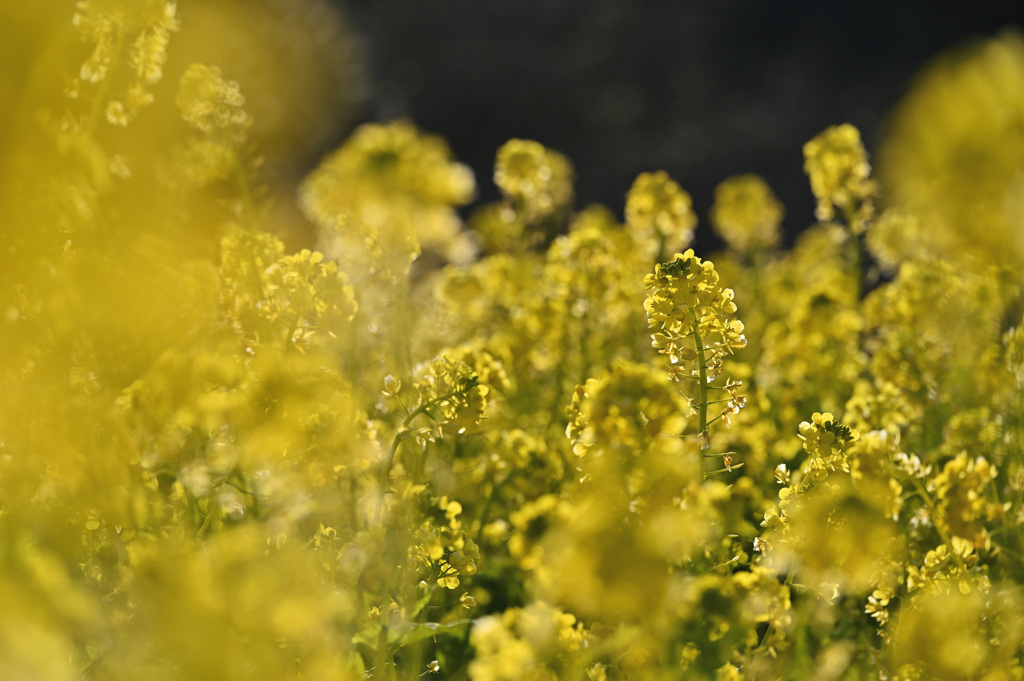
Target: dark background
{"type": "Point", "coordinates": [703, 90]}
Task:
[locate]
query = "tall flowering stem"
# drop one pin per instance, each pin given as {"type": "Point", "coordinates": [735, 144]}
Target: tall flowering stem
{"type": "Point", "coordinates": [689, 313]}
{"type": "Point", "coordinates": [702, 377]}
{"type": "Point", "coordinates": [837, 165]}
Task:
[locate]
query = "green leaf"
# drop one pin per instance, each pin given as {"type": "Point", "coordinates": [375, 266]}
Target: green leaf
{"type": "Point", "coordinates": [425, 630]}
{"type": "Point", "coordinates": [407, 635]}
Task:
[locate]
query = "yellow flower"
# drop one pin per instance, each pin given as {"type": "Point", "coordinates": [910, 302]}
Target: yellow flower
{"type": "Point", "coordinates": [954, 157]}
{"type": "Point", "coordinates": [536, 179]}
{"type": "Point", "coordinates": [661, 213]}
{"type": "Point", "coordinates": [685, 305]}
{"type": "Point", "coordinates": [208, 102]}
{"type": "Point", "coordinates": [746, 214]}
{"type": "Point", "coordinates": [144, 25]}
{"type": "Point", "coordinates": [826, 440]}
{"type": "Point", "coordinates": [838, 168]}
{"type": "Point", "coordinates": [384, 195]}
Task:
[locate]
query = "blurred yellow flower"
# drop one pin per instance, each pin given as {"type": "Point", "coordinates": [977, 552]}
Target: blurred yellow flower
{"type": "Point", "coordinates": [954, 157]}
{"type": "Point", "coordinates": [746, 213]}
{"type": "Point", "coordinates": [840, 174]}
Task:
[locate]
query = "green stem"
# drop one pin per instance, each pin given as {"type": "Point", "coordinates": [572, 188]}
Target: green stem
{"type": "Point", "coordinates": [101, 95]}
{"type": "Point", "coordinates": [584, 336]}
{"type": "Point", "coordinates": [399, 320]}
{"type": "Point", "coordinates": [770, 631]}
{"type": "Point", "coordinates": [381, 666]}
{"type": "Point", "coordinates": [716, 418]}
{"type": "Point", "coordinates": [495, 486]}
{"type": "Point", "coordinates": [417, 653]}
{"type": "Point", "coordinates": [724, 470]}
{"type": "Point", "coordinates": [242, 181]}
{"type": "Point", "coordinates": [385, 472]}
{"type": "Point", "coordinates": [249, 211]}
{"type": "Point", "coordinates": [661, 247]}
{"type": "Point", "coordinates": [854, 247]}
{"type": "Point", "coordinates": [403, 432]}
{"type": "Point", "coordinates": [943, 535]}
{"type": "Point", "coordinates": [702, 374]}
{"type": "Point", "coordinates": [206, 524]}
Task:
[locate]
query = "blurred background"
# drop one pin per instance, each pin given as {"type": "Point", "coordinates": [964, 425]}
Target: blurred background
{"type": "Point", "coordinates": [703, 90]}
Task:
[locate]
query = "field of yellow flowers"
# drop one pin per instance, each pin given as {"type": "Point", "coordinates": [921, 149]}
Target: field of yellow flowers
{"type": "Point", "coordinates": [544, 444]}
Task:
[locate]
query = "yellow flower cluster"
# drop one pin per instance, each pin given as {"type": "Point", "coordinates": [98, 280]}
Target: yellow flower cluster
{"type": "Point", "coordinates": [445, 549]}
{"type": "Point", "coordinates": [746, 214]}
{"type": "Point", "coordinates": [987, 639]}
{"type": "Point", "coordinates": [129, 49]}
{"type": "Point", "coordinates": [225, 457]}
{"type": "Point", "coordinates": [961, 507]}
{"type": "Point", "coordinates": [690, 314]}
{"type": "Point", "coordinates": [537, 180]}
{"type": "Point", "coordinates": [837, 165]}
{"type": "Point", "coordinates": [953, 158]}
{"type": "Point", "coordinates": [812, 329]}
{"type": "Point", "coordinates": [827, 441]}
{"type": "Point", "coordinates": [388, 192]}
{"type": "Point", "coordinates": [661, 213]}
{"type": "Point", "coordinates": [535, 643]}
{"type": "Point", "coordinates": [208, 102]}
{"type": "Point", "coordinates": [455, 391]}
{"type": "Point", "coordinates": [824, 527]}
{"type": "Point", "coordinates": [629, 410]}
{"type": "Point", "coordinates": [284, 300]}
